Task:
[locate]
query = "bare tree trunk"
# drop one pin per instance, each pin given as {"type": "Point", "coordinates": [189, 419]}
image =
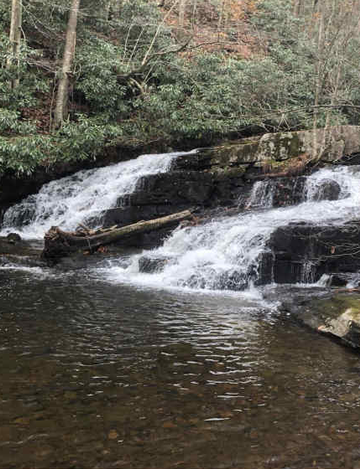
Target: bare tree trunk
{"type": "Point", "coordinates": [15, 38]}
{"type": "Point", "coordinates": [194, 13]}
{"type": "Point", "coordinates": [182, 8]}
{"type": "Point", "coordinates": [114, 7]}
{"type": "Point", "coordinates": [69, 52]}
{"type": "Point", "coordinates": [298, 8]}
{"type": "Point", "coordinates": [60, 243]}
{"type": "Point", "coordinates": [221, 16]}
{"type": "Point", "coordinates": [318, 83]}
{"type": "Point", "coordinates": [107, 9]}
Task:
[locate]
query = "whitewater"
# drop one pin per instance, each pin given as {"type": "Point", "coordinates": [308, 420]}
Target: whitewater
{"type": "Point", "coordinates": [228, 250]}
{"type": "Point", "coordinates": [224, 253]}
{"type": "Point", "coordinates": [82, 197]}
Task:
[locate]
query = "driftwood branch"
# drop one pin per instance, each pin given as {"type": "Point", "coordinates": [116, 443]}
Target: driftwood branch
{"type": "Point", "coordinates": [59, 243]}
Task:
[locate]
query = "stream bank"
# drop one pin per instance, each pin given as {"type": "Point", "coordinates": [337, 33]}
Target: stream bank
{"type": "Point", "coordinates": [185, 354]}
{"type": "Point", "coordinates": [262, 204]}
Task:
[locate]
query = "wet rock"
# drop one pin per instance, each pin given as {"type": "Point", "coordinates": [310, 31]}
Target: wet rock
{"type": "Point", "coordinates": [236, 281]}
{"type": "Point", "coordinates": [13, 238]}
{"type": "Point", "coordinates": [338, 280]}
{"type": "Point", "coordinates": [338, 316]}
{"type": "Point", "coordinates": [162, 194]}
{"type": "Point", "coordinates": [328, 190]}
{"type": "Point", "coordinates": [226, 156]}
{"type": "Point", "coordinates": [346, 326]}
{"type": "Point", "coordinates": [304, 252]}
{"type": "Point", "coordinates": [13, 245]}
{"type": "Point", "coordinates": [22, 260]}
{"type": "Point", "coordinates": [149, 265]}
{"type": "Point", "coordinates": [266, 269]}
{"type": "Point", "coordinates": [277, 192]}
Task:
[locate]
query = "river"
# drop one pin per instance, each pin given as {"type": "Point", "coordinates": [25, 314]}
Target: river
{"type": "Point", "coordinates": [102, 368]}
{"type": "Point", "coordinates": [96, 375]}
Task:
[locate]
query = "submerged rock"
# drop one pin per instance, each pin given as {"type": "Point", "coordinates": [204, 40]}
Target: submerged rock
{"type": "Point", "coordinates": [14, 251]}
{"type": "Point", "coordinates": [14, 245]}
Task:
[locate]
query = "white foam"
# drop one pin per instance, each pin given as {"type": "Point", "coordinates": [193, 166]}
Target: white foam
{"type": "Point", "coordinates": [207, 256]}
{"type": "Point", "coordinates": [85, 195]}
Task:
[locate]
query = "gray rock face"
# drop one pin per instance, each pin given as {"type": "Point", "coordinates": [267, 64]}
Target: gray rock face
{"type": "Point", "coordinates": [299, 250]}
{"type": "Point", "coordinates": [330, 145]}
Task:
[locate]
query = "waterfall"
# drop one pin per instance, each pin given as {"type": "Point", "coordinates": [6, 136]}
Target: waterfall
{"type": "Point", "coordinates": [307, 272]}
{"type": "Point", "coordinates": [262, 194]}
{"type": "Point", "coordinates": [332, 184]}
{"type": "Point", "coordinates": [83, 197]}
{"type": "Point", "coordinates": [226, 253]}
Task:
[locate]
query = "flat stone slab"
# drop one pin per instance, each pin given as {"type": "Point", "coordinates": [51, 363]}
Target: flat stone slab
{"type": "Point", "coordinates": [11, 245]}
{"type": "Point", "coordinates": [337, 316]}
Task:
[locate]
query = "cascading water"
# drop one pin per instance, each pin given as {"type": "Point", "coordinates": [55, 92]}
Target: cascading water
{"type": "Point", "coordinates": [262, 194]}
{"type": "Point", "coordinates": [82, 197]}
{"type": "Point", "coordinates": [225, 253]}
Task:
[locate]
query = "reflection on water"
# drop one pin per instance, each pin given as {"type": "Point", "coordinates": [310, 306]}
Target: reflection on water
{"type": "Point", "coordinates": [95, 375]}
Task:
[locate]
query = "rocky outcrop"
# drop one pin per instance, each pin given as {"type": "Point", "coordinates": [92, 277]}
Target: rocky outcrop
{"type": "Point", "coordinates": [177, 190]}
{"type": "Point", "coordinates": [337, 316]}
{"type": "Point", "coordinates": [150, 264]}
{"type": "Point", "coordinates": [328, 145]}
{"type": "Point", "coordinates": [223, 175]}
{"type": "Point", "coordinates": [303, 253]}
{"type": "Point", "coordinates": [275, 151]}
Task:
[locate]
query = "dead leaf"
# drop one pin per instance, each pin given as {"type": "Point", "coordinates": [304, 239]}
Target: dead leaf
{"type": "Point", "coordinates": [113, 434]}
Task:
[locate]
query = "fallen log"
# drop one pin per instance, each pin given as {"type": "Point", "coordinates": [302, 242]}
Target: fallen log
{"type": "Point", "coordinates": [59, 243]}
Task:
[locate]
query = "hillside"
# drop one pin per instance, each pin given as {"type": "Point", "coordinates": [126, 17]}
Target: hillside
{"type": "Point", "coordinates": [153, 75]}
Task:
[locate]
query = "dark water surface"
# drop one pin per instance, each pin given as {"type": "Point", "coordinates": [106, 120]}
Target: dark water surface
{"type": "Point", "coordinates": [95, 375]}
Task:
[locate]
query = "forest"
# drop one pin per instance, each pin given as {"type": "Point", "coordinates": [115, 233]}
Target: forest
{"type": "Point", "coordinates": [80, 79]}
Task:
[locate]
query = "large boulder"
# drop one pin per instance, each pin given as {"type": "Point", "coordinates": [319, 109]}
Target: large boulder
{"type": "Point", "coordinates": [327, 190]}
{"type": "Point", "coordinates": [337, 316]}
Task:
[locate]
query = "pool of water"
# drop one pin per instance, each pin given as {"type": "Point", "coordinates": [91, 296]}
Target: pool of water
{"type": "Point", "coordinates": [101, 375]}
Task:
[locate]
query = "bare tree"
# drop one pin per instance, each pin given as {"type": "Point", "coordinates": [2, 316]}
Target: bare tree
{"type": "Point", "coordinates": [334, 29]}
{"type": "Point", "coordinates": [69, 53]}
{"type": "Point", "coordinates": [182, 9]}
{"type": "Point", "coordinates": [15, 39]}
